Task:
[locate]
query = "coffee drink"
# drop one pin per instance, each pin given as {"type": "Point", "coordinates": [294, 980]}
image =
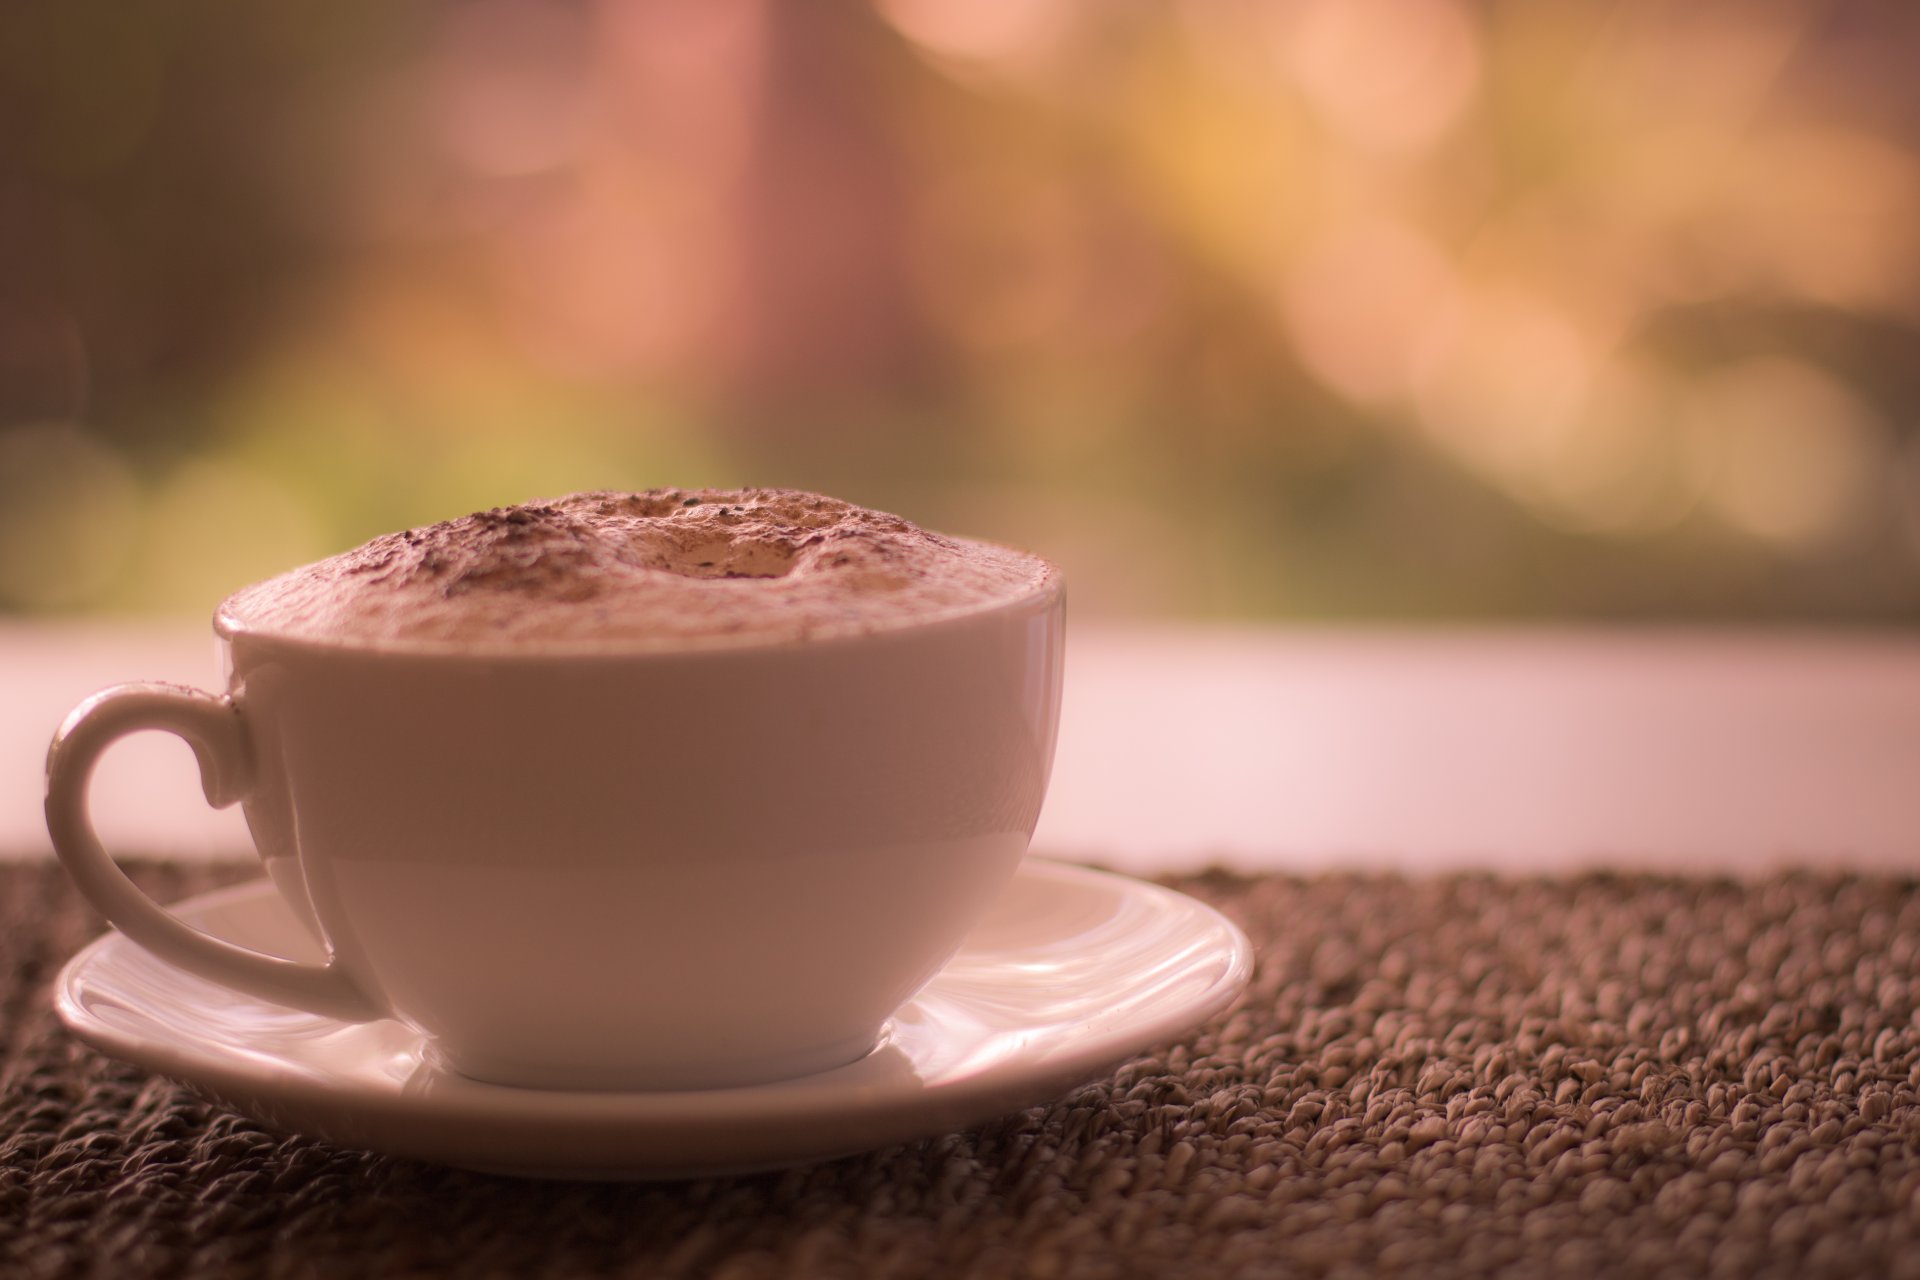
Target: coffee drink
{"type": "Point", "coordinates": [670, 568]}
{"type": "Point", "coordinates": [669, 790]}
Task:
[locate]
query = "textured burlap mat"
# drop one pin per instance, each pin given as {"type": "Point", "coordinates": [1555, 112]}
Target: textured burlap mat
{"type": "Point", "coordinates": [1458, 1076]}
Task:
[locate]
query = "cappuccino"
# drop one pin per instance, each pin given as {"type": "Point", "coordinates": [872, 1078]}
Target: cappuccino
{"type": "Point", "coordinates": [670, 568]}
{"type": "Point", "coordinates": [568, 789]}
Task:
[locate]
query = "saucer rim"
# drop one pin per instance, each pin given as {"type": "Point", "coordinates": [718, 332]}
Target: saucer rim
{"type": "Point", "coordinates": [732, 1125]}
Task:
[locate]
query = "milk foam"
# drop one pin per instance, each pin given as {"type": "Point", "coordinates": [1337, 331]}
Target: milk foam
{"type": "Point", "coordinates": [670, 568]}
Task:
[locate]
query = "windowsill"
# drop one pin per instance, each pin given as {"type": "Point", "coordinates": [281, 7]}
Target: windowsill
{"type": "Point", "coordinates": [1259, 748]}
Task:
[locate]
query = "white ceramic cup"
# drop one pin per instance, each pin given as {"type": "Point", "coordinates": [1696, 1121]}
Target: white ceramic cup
{"type": "Point", "coordinates": [648, 870]}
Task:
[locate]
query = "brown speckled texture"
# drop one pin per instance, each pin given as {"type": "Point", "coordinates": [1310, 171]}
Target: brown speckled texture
{"type": "Point", "coordinates": [1462, 1076]}
{"type": "Point", "coordinates": [664, 568]}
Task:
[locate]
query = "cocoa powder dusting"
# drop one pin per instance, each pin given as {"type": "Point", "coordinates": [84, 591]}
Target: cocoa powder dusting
{"type": "Point", "coordinates": [668, 566]}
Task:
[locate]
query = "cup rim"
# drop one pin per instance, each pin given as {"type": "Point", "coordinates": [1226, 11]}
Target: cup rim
{"type": "Point", "coordinates": [1047, 592]}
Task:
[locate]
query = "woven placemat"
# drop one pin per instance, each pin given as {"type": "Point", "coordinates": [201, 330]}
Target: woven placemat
{"type": "Point", "coordinates": [1454, 1076]}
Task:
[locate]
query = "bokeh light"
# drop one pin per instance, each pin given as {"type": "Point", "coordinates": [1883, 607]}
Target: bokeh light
{"type": "Point", "coordinates": [1785, 453]}
{"type": "Point", "coordinates": [212, 523]}
{"type": "Point", "coordinates": [69, 516]}
{"type": "Point", "coordinates": [1364, 301]}
{"type": "Point", "coordinates": [1311, 308]}
{"type": "Point", "coordinates": [1386, 75]}
{"type": "Point", "coordinates": [990, 34]}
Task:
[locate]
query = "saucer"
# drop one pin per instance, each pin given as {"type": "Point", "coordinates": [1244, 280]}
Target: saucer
{"type": "Point", "coordinates": [1072, 972]}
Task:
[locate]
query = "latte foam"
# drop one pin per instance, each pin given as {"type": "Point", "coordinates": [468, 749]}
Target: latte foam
{"type": "Point", "coordinates": [666, 568]}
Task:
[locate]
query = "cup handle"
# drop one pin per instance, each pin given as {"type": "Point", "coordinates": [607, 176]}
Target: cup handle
{"type": "Point", "coordinates": [213, 727]}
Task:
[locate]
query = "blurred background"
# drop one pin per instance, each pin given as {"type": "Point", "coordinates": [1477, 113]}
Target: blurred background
{"type": "Point", "coordinates": [1306, 309]}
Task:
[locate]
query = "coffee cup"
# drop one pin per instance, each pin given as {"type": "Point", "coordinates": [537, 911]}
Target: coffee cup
{"type": "Point", "coordinates": [707, 861]}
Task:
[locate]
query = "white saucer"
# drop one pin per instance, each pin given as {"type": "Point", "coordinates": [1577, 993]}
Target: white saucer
{"type": "Point", "coordinates": [1072, 972]}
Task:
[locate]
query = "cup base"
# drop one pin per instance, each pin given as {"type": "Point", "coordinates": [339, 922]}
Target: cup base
{"type": "Point", "coordinates": [683, 1075]}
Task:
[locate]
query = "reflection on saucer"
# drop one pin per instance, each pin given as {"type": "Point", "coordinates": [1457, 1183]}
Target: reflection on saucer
{"type": "Point", "coordinates": [887, 1067]}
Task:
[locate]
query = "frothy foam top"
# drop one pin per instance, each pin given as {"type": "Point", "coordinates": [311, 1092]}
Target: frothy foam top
{"type": "Point", "coordinates": [670, 568]}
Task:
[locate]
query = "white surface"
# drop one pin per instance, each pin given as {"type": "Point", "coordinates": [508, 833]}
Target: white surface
{"type": "Point", "coordinates": [1515, 750]}
{"type": "Point", "coordinates": [1070, 972]}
